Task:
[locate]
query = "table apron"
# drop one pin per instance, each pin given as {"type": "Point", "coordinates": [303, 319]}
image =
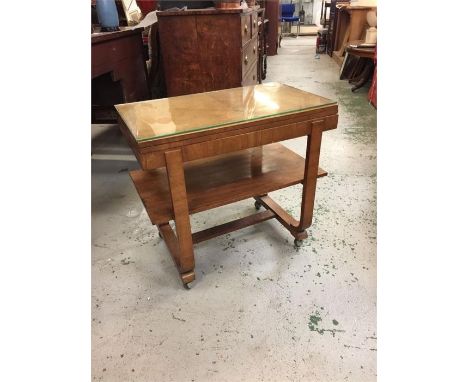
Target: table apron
{"type": "Point", "coordinates": [155, 159]}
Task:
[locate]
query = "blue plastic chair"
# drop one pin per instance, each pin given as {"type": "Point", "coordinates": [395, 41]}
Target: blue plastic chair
{"type": "Point", "coordinates": [287, 15]}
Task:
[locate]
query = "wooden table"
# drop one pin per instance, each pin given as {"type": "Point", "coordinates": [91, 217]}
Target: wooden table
{"type": "Point", "coordinates": [120, 55]}
{"type": "Point", "coordinates": [206, 150]}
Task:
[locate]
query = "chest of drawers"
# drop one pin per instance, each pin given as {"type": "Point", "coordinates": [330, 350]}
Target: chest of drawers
{"type": "Point", "coordinates": [205, 50]}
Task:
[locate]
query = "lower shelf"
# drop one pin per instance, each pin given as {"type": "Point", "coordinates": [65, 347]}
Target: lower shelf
{"type": "Point", "coordinates": [221, 180]}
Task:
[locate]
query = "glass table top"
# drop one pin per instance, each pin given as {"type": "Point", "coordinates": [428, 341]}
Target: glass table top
{"type": "Point", "coordinates": [148, 120]}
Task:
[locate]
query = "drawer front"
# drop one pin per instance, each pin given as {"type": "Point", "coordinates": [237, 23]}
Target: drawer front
{"type": "Point", "coordinates": [254, 24]}
{"type": "Point", "coordinates": [105, 54]}
{"type": "Point", "coordinates": [250, 78]}
{"type": "Point", "coordinates": [246, 28]}
{"type": "Point", "coordinates": [249, 55]}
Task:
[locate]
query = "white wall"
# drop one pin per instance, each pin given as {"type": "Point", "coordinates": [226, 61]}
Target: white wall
{"type": "Point", "coordinates": [317, 10]}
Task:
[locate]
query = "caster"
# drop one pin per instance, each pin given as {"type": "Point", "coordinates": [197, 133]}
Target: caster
{"type": "Point", "coordinates": [297, 243]}
{"type": "Point", "coordinates": [257, 205]}
{"type": "Point", "coordinates": [189, 285]}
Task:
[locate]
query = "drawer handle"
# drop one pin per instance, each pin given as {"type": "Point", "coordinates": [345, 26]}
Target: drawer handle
{"type": "Point", "coordinates": [246, 28]}
{"type": "Point", "coordinates": [255, 24]}
{"type": "Point", "coordinates": [255, 49]}
{"type": "Point", "coordinates": [246, 60]}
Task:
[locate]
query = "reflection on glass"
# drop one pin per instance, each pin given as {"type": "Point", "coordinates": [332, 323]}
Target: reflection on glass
{"type": "Point", "coordinates": [176, 115]}
{"type": "Point", "coordinates": [265, 100]}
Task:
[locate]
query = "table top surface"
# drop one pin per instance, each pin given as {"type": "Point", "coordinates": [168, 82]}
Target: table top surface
{"type": "Point", "coordinates": [98, 36]}
{"type": "Point", "coordinates": [153, 119]}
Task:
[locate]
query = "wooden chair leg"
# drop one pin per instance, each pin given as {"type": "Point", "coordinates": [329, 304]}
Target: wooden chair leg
{"type": "Point", "coordinates": [176, 178]}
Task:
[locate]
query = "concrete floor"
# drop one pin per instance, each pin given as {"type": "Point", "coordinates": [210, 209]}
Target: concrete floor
{"type": "Point", "coordinates": [260, 310]}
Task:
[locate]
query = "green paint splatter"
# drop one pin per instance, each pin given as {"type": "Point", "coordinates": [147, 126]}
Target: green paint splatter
{"type": "Point", "coordinates": [314, 325]}
{"type": "Point", "coordinates": [314, 320]}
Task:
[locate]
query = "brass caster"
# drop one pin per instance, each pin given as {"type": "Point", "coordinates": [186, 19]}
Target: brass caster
{"type": "Point", "coordinates": [298, 243]}
{"type": "Point", "coordinates": [257, 205]}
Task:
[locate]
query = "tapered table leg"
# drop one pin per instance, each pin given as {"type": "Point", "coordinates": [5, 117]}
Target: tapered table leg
{"type": "Point", "coordinates": [314, 140]}
{"type": "Point", "coordinates": [311, 173]}
{"type": "Point", "coordinates": [176, 178]}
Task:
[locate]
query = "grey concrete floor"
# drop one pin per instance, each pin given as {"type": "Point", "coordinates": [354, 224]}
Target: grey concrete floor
{"type": "Point", "coordinates": [260, 310]}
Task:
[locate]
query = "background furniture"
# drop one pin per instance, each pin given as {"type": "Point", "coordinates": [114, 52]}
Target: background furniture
{"type": "Point", "coordinates": [363, 68]}
{"type": "Point", "coordinates": [146, 6]}
{"type": "Point", "coordinates": [204, 50]}
{"type": "Point", "coordinates": [207, 150]}
{"type": "Point", "coordinates": [287, 16]}
{"type": "Point", "coordinates": [263, 25]}
{"type": "Point", "coordinates": [350, 26]}
{"type": "Point", "coordinates": [118, 71]}
{"type": "Point", "coordinates": [332, 23]}
{"type": "Point", "coordinates": [272, 14]}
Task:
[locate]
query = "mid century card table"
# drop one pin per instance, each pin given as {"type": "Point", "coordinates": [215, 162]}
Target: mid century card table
{"type": "Point", "coordinates": [206, 150]}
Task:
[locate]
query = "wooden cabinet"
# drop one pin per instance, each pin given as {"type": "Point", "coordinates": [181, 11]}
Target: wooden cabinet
{"type": "Point", "coordinates": [205, 50]}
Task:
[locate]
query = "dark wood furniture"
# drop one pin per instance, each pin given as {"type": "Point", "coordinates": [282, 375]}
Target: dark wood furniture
{"type": "Point", "coordinates": [332, 23]}
{"type": "Point", "coordinates": [272, 14]}
{"type": "Point", "coordinates": [263, 24]}
{"type": "Point", "coordinates": [364, 67]}
{"type": "Point", "coordinates": [118, 70]}
{"type": "Point", "coordinates": [206, 150]}
{"type": "Point", "coordinates": [350, 26]}
{"type": "Point", "coordinates": [208, 49]}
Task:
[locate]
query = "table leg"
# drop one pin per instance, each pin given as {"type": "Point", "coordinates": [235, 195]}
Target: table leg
{"type": "Point", "coordinates": [314, 140]}
{"type": "Point", "coordinates": [176, 178]}
{"type": "Point", "coordinates": [311, 173]}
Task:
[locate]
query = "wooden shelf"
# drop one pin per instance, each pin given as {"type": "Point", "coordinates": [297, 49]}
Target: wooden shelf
{"type": "Point", "coordinates": [221, 180]}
